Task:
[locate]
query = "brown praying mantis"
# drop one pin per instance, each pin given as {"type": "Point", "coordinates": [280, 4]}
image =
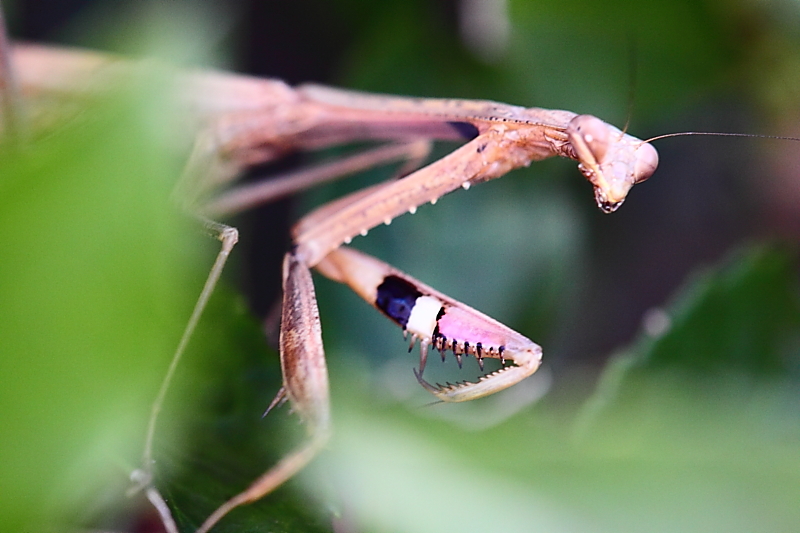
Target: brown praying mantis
{"type": "Point", "coordinates": [246, 121]}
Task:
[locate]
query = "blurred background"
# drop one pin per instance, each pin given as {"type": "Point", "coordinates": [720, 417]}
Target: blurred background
{"type": "Point", "coordinates": [668, 399]}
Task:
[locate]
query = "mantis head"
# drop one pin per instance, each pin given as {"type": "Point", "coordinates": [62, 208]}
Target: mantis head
{"type": "Point", "coordinates": [611, 160]}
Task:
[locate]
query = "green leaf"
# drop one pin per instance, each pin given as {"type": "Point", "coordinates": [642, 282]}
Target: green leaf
{"type": "Point", "coordinates": [93, 258]}
{"type": "Point", "coordinates": [740, 321]}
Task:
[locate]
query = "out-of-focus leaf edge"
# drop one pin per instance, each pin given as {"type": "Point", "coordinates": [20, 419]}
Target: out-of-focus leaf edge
{"type": "Point", "coordinates": [747, 283]}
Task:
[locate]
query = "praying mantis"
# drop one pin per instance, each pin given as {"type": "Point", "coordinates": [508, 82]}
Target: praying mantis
{"type": "Point", "coordinates": [246, 121]}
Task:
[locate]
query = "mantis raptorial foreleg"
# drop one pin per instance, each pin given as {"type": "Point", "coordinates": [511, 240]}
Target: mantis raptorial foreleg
{"type": "Point", "coordinates": [437, 320]}
{"type": "Point", "coordinates": [245, 121]}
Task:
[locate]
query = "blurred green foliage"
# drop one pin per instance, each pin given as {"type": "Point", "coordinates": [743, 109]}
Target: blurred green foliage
{"type": "Point", "coordinates": [691, 426]}
{"type": "Point", "coordinates": [92, 298]}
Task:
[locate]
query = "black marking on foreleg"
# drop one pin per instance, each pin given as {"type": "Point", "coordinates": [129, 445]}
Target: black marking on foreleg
{"type": "Point", "coordinates": [465, 129]}
{"type": "Point", "coordinates": [396, 298]}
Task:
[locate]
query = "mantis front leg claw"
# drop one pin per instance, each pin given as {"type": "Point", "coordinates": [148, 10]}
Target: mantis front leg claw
{"type": "Point", "coordinates": [435, 319]}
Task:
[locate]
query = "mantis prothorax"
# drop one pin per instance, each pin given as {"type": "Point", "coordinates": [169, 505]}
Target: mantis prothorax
{"type": "Point", "coordinates": [245, 121]}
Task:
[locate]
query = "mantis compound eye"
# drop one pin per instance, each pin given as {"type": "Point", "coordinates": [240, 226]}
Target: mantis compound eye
{"type": "Point", "coordinates": [589, 136]}
{"type": "Point", "coordinates": [646, 162]}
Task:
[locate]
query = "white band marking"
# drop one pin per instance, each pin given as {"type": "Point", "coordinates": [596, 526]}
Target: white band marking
{"type": "Point", "coordinates": [422, 320]}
